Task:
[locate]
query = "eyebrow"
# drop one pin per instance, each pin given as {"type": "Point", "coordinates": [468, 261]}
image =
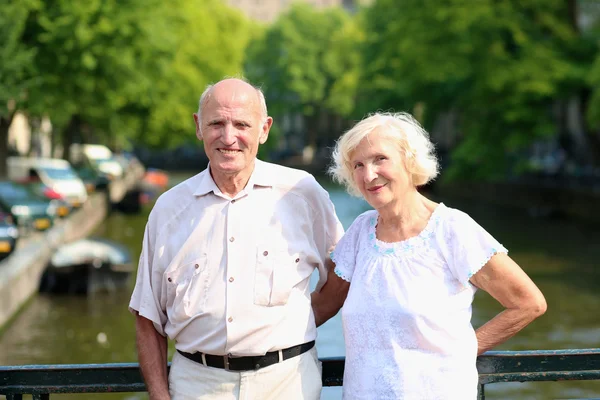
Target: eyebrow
{"type": "Point", "coordinates": [235, 121]}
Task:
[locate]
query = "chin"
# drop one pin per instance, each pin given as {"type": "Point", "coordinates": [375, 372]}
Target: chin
{"type": "Point", "coordinates": [230, 167]}
{"type": "Point", "coordinates": [377, 202]}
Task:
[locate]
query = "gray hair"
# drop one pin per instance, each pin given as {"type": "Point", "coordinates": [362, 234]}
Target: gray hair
{"type": "Point", "coordinates": [412, 140]}
{"type": "Point", "coordinates": [208, 90]}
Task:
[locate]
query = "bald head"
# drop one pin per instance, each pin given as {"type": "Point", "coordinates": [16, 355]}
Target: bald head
{"type": "Point", "coordinates": [234, 89]}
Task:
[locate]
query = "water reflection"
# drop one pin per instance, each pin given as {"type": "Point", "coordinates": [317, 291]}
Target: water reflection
{"type": "Point", "coordinates": [561, 256]}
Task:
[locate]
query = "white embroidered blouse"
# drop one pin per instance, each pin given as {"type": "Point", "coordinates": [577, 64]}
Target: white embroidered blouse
{"type": "Point", "coordinates": [407, 317]}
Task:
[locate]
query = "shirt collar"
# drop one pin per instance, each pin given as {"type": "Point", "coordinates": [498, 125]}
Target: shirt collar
{"type": "Point", "coordinates": [259, 177]}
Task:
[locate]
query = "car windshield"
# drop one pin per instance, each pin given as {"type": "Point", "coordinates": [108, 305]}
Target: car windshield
{"type": "Point", "coordinates": [14, 192]}
{"type": "Point", "coordinates": [59, 173]}
{"type": "Point", "coordinates": [100, 161]}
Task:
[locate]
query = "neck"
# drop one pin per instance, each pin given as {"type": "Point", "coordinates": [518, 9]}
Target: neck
{"type": "Point", "coordinates": [232, 184]}
{"type": "Point", "coordinates": [411, 207]}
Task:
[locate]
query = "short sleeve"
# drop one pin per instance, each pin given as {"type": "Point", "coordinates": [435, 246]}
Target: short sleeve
{"type": "Point", "coordinates": [146, 295]}
{"type": "Point", "coordinates": [344, 254]}
{"type": "Point", "coordinates": [468, 246]}
{"type": "Point", "coordinates": [327, 230]}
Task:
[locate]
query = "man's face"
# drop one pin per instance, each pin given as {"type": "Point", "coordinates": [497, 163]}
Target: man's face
{"type": "Point", "coordinates": [232, 129]}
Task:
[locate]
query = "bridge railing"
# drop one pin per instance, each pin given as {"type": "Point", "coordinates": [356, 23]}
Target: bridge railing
{"type": "Point", "coordinates": [499, 366]}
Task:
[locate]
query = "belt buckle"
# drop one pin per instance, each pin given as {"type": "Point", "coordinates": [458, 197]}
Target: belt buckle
{"type": "Point", "coordinates": [226, 363]}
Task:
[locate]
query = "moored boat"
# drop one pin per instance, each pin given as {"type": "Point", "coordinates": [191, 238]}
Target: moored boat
{"type": "Point", "coordinates": [87, 266]}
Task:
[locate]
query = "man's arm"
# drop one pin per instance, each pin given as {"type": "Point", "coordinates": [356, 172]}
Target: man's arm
{"type": "Point", "coordinates": [328, 301]}
{"type": "Point", "coordinates": [152, 355]}
{"type": "Point", "coordinates": [505, 281]}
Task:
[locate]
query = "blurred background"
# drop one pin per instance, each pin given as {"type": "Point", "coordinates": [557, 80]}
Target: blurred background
{"type": "Point", "coordinates": [508, 90]}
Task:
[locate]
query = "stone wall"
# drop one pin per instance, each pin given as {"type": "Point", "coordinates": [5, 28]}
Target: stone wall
{"type": "Point", "coordinates": [21, 272]}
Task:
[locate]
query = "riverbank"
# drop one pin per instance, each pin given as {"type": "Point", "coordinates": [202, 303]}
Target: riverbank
{"type": "Point", "coordinates": [21, 272]}
{"type": "Point", "coordinates": [542, 197]}
{"type": "Point", "coordinates": [538, 200]}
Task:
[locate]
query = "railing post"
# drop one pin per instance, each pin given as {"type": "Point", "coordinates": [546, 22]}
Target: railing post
{"type": "Point", "coordinates": [480, 392]}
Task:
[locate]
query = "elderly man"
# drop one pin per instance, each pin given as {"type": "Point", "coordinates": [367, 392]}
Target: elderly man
{"type": "Point", "coordinates": [225, 266]}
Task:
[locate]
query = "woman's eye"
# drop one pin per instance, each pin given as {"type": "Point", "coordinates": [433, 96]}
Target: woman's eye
{"type": "Point", "coordinates": [357, 165]}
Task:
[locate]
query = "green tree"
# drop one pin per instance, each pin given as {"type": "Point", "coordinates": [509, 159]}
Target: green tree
{"type": "Point", "coordinates": [15, 66]}
{"type": "Point", "coordinates": [210, 44]}
{"type": "Point", "coordinates": [93, 60]}
{"type": "Point", "coordinates": [499, 65]}
{"type": "Point", "coordinates": [308, 64]}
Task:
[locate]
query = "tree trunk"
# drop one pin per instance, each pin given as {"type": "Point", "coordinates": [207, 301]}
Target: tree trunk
{"type": "Point", "coordinates": [575, 124]}
{"type": "Point", "coordinates": [4, 125]}
{"type": "Point", "coordinates": [70, 133]}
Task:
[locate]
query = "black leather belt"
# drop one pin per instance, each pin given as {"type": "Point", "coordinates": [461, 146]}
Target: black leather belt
{"type": "Point", "coordinates": [249, 362]}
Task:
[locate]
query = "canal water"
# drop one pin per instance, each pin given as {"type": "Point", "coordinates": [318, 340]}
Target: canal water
{"type": "Point", "coordinates": [561, 257]}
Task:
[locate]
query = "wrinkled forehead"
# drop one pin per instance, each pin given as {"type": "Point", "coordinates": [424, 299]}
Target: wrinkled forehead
{"type": "Point", "coordinates": [372, 143]}
{"type": "Point", "coordinates": [230, 104]}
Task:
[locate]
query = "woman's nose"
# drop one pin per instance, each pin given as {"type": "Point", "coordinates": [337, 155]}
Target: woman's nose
{"type": "Point", "coordinates": [370, 174]}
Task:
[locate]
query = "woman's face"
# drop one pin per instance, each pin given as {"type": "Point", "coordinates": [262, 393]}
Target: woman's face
{"type": "Point", "coordinates": [379, 170]}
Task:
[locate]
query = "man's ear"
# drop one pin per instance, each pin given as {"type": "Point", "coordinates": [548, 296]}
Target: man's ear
{"type": "Point", "coordinates": [198, 126]}
{"type": "Point", "coordinates": [264, 133]}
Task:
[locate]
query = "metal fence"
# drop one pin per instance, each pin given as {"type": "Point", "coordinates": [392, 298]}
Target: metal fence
{"type": "Point", "coordinates": [499, 366]}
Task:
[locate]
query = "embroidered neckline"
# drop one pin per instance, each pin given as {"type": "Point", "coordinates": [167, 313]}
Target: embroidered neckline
{"type": "Point", "coordinates": [409, 244]}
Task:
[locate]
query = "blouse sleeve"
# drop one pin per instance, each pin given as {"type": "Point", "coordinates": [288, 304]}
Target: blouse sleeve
{"type": "Point", "coordinates": [469, 246]}
{"type": "Point", "coordinates": [344, 254]}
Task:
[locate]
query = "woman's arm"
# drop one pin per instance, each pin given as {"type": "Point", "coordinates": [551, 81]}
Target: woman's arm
{"type": "Point", "coordinates": [505, 281]}
{"type": "Point", "coordinates": [328, 301]}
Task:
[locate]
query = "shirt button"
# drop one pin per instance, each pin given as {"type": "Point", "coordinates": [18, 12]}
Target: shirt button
{"type": "Point", "coordinates": [170, 280]}
{"type": "Point", "coordinates": [297, 260]}
{"type": "Point", "coordinates": [231, 239]}
{"type": "Point", "coordinates": [230, 319]}
{"type": "Point", "coordinates": [257, 366]}
{"type": "Point", "coordinates": [265, 253]}
{"type": "Point", "coordinates": [231, 279]}
{"type": "Point", "coordinates": [196, 266]}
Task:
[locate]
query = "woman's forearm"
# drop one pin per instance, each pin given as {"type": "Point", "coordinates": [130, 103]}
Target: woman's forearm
{"type": "Point", "coordinates": [505, 325]}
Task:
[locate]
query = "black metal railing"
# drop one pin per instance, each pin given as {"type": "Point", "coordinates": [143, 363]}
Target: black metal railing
{"type": "Point", "coordinates": [499, 366]}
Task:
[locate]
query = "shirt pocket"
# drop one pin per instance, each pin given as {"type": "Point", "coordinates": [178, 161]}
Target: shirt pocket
{"type": "Point", "coordinates": [187, 289]}
{"type": "Point", "coordinates": [275, 276]}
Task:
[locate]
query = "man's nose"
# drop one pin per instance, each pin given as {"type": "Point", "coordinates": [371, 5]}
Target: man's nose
{"type": "Point", "coordinates": [228, 135]}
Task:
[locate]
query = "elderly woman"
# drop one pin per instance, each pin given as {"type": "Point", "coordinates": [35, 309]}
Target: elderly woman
{"type": "Point", "coordinates": [406, 273]}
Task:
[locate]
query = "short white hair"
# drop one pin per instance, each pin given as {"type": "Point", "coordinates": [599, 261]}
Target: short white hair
{"type": "Point", "coordinates": [208, 90]}
{"type": "Point", "coordinates": [413, 143]}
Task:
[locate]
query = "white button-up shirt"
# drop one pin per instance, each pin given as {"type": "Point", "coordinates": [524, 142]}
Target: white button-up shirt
{"type": "Point", "coordinates": [226, 275]}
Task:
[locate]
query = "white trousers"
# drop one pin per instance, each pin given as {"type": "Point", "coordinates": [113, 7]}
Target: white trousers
{"type": "Point", "coordinates": [296, 378]}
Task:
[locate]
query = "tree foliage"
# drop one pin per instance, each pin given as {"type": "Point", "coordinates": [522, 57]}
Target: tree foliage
{"type": "Point", "coordinates": [307, 63]}
{"type": "Point", "coordinates": [499, 65]}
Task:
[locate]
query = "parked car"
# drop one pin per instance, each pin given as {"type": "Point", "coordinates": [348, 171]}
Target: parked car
{"type": "Point", "coordinates": [63, 207]}
{"type": "Point", "coordinates": [93, 179]}
{"type": "Point", "coordinates": [100, 157]}
{"type": "Point", "coordinates": [9, 234]}
{"type": "Point", "coordinates": [29, 211]}
{"type": "Point", "coordinates": [55, 173]}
